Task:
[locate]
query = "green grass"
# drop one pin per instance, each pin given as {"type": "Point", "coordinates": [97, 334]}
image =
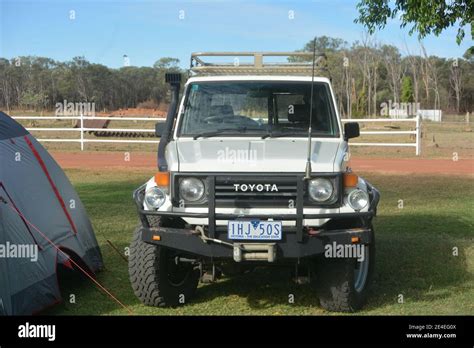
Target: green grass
{"type": "Point", "coordinates": [414, 255]}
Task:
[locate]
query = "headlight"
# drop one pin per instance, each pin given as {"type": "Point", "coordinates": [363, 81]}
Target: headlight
{"type": "Point", "coordinates": [320, 190]}
{"type": "Point", "coordinates": [358, 199]}
{"type": "Point", "coordinates": [191, 189]}
{"type": "Point", "coordinates": [154, 197]}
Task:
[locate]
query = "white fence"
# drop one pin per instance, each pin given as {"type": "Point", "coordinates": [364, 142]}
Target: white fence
{"type": "Point", "coordinates": [82, 140]}
{"type": "Point", "coordinates": [416, 132]}
{"type": "Point", "coordinates": [432, 115]}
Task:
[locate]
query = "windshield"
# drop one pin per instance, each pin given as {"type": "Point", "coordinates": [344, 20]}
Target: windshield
{"type": "Point", "coordinates": [254, 108]}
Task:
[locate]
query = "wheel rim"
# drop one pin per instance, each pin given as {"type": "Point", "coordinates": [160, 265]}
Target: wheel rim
{"type": "Point", "coordinates": [177, 272]}
{"type": "Point", "coordinates": [361, 271]}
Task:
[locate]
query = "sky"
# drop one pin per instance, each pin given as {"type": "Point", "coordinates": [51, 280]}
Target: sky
{"type": "Point", "coordinates": [145, 30]}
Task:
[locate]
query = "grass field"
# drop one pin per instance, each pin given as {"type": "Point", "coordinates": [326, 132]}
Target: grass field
{"type": "Point", "coordinates": [414, 255]}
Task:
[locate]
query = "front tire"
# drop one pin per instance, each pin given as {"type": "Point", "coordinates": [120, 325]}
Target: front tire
{"type": "Point", "coordinates": [157, 278]}
{"type": "Point", "coordinates": [343, 284]}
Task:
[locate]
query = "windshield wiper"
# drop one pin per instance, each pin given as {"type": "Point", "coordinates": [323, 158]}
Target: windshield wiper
{"type": "Point", "coordinates": [219, 131]}
{"type": "Point", "coordinates": [280, 134]}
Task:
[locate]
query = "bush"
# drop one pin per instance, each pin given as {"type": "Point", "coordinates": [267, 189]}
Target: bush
{"type": "Point", "coordinates": [148, 104]}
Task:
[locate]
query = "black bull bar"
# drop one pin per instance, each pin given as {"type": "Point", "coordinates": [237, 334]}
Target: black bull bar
{"type": "Point", "coordinates": [295, 243]}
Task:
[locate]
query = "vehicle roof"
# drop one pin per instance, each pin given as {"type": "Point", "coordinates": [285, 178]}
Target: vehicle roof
{"type": "Point", "coordinates": [256, 78]}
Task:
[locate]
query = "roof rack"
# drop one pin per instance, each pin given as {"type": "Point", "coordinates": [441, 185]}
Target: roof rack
{"type": "Point", "coordinates": [258, 67]}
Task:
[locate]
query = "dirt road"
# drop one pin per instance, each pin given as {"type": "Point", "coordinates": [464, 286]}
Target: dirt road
{"type": "Point", "coordinates": [91, 160]}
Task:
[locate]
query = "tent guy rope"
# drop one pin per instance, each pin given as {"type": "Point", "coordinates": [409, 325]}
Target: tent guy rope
{"type": "Point", "coordinates": [69, 258]}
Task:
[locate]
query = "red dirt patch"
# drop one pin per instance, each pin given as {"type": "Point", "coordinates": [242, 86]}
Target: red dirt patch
{"type": "Point", "coordinates": [91, 160]}
{"type": "Point", "coordinates": [142, 112]}
{"type": "Point", "coordinates": [416, 165]}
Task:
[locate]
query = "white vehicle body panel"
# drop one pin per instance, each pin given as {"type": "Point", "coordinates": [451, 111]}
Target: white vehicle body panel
{"type": "Point", "coordinates": [232, 154]}
{"type": "Point", "coordinates": [229, 154]}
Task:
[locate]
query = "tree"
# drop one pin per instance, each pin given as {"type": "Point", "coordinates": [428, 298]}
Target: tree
{"type": "Point", "coordinates": [364, 75]}
{"type": "Point", "coordinates": [425, 17]}
{"type": "Point", "coordinates": [166, 63]}
{"type": "Point", "coordinates": [33, 100]}
{"type": "Point", "coordinates": [333, 48]}
{"type": "Point", "coordinates": [431, 79]}
{"type": "Point", "coordinates": [413, 63]}
{"type": "Point", "coordinates": [392, 59]}
{"type": "Point", "coordinates": [456, 82]}
{"type": "Point", "coordinates": [407, 90]}
{"type": "Point", "coordinates": [325, 44]}
{"type": "Point", "coordinates": [469, 54]}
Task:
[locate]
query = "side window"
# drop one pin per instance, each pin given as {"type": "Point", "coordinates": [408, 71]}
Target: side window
{"type": "Point", "coordinates": [193, 104]}
{"type": "Point", "coordinates": [326, 111]}
{"type": "Point", "coordinates": [321, 112]}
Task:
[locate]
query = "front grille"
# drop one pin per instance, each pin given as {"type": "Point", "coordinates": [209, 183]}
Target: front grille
{"type": "Point", "coordinates": [226, 195]}
{"type": "Point", "coordinates": [252, 191]}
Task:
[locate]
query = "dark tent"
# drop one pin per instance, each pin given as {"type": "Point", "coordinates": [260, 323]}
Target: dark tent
{"type": "Point", "coordinates": [42, 223]}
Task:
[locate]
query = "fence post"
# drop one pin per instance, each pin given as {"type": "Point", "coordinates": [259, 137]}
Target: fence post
{"type": "Point", "coordinates": [418, 135]}
{"type": "Point", "coordinates": [82, 132]}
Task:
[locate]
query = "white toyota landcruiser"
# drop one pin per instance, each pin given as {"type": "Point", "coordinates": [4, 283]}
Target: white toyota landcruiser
{"type": "Point", "coordinates": [253, 170]}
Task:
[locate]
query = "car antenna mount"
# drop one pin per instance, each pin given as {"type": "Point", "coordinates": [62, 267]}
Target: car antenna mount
{"type": "Point", "coordinates": [308, 169]}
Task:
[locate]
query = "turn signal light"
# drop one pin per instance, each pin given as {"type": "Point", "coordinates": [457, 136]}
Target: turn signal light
{"type": "Point", "coordinates": [355, 239]}
{"type": "Point", "coordinates": [350, 180]}
{"type": "Point", "coordinates": [162, 178]}
{"type": "Point", "coordinates": [156, 237]}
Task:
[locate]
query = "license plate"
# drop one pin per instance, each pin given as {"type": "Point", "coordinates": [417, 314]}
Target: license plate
{"type": "Point", "coordinates": [254, 230]}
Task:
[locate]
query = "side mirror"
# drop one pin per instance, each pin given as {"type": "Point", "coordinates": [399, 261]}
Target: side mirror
{"type": "Point", "coordinates": [351, 130]}
{"type": "Point", "coordinates": [160, 129]}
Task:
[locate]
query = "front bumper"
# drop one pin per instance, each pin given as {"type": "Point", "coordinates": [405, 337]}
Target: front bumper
{"type": "Point", "coordinates": [297, 241]}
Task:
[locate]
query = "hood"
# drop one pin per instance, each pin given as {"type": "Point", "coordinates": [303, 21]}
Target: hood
{"type": "Point", "coordinates": [256, 155]}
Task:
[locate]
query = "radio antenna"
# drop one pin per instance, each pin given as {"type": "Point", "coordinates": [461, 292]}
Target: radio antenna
{"type": "Point", "coordinates": [308, 169]}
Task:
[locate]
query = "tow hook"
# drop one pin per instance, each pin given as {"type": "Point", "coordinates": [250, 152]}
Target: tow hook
{"type": "Point", "coordinates": [200, 230]}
